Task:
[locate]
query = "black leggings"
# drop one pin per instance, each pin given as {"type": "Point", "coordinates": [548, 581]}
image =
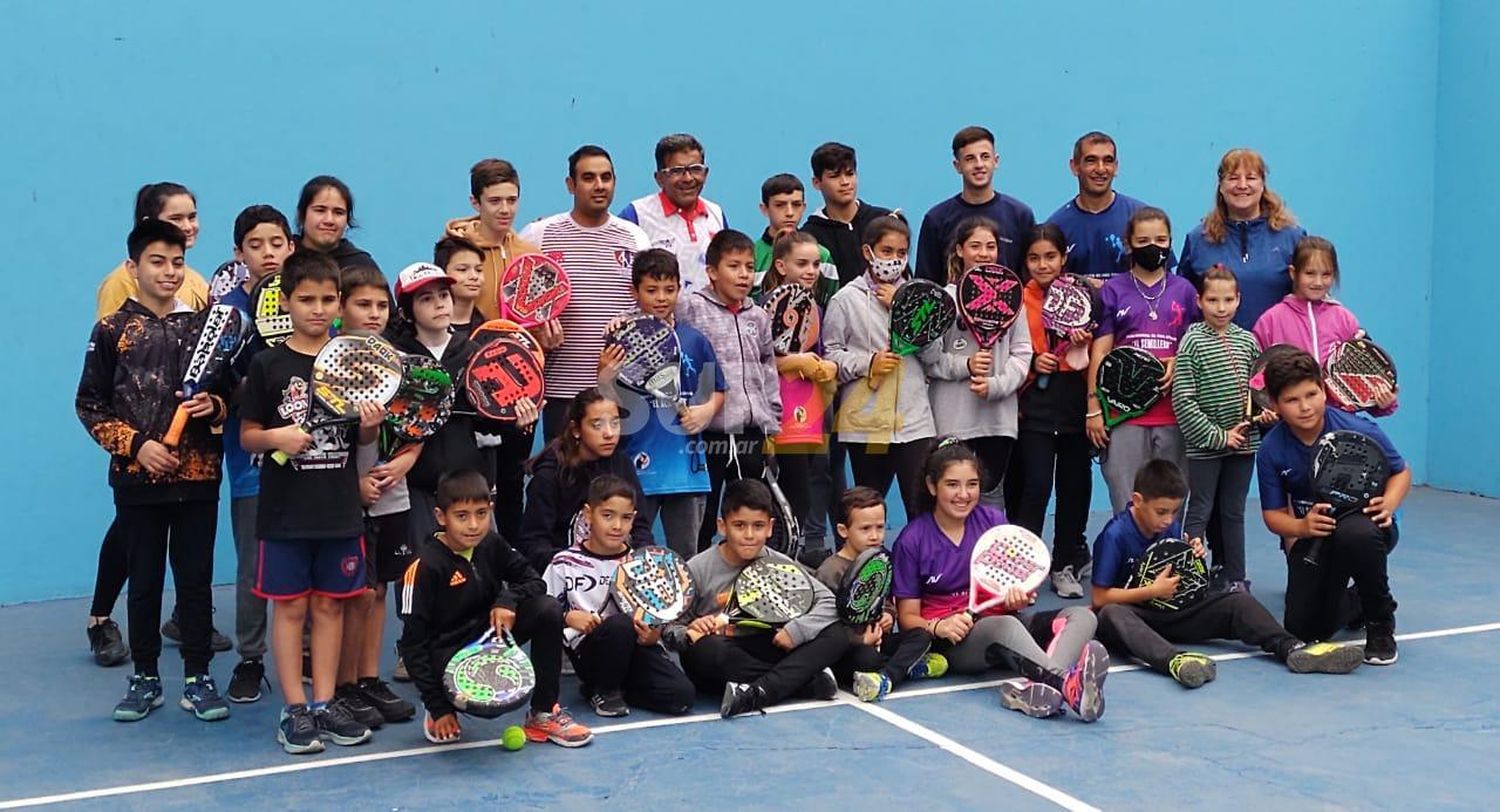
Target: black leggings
{"type": "Point", "coordinates": [109, 580]}
{"type": "Point", "coordinates": [898, 652]}
{"type": "Point", "coordinates": [609, 659]}
{"type": "Point", "coordinates": [539, 620]}
{"type": "Point", "coordinates": [510, 480]}
{"type": "Point", "coordinates": [151, 535]}
{"type": "Point", "coordinates": [874, 466]}
{"type": "Point", "coordinates": [1317, 602]}
{"type": "Point", "coordinates": [1045, 458]}
{"type": "Point", "coordinates": [716, 659]}
{"type": "Point", "coordinates": [1148, 634]}
{"type": "Point", "coordinates": [994, 460]}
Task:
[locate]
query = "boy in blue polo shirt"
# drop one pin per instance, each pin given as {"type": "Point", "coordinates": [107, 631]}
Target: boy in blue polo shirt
{"type": "Point", "coordinates": [1128, 623]}
{"type": "Point", "coordinates": [666, 447]}
{"type": "Point", "coordinates": [1355, 546]}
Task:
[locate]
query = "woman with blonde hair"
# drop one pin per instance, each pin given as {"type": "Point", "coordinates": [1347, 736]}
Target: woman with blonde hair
{"type": "Point", "coordinates": [1250, 231]}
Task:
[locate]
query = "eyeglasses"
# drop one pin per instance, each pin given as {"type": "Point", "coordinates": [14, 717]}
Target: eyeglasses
{"type": "Point", "coordinates": [675, 172]}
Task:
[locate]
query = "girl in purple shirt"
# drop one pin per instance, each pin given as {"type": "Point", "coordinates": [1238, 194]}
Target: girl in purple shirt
{"type": "Point", "coordinates": [932, 592]}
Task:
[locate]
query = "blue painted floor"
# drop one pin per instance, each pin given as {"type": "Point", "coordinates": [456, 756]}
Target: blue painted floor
{"type": "Point", "coordinates": [1424, 733]}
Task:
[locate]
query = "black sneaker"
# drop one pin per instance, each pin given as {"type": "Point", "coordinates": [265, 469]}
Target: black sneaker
{"type": "Point", "coordinates": [1380, 642]}
{"type": "Point", "coordinates": [173, 632]}
{"type": "Point", "coordinates": [298, 731]}
{"type": "Point", "coordinates": [609, 704]}
{"type": "Point", "coordinates": [823, 685]}
{"type": "Point", "coordinates": [741, 697]}
{"type": "Point", "coordinates": [354, 702]}
{"type": "Point", "coordinates": [106, 643]}
{"type": "Point", "coordinates": [379, 695]}
{"type": "Point", "coordinates": [338, 726]}
{"type": "Point", "coordinates": [244, 684]}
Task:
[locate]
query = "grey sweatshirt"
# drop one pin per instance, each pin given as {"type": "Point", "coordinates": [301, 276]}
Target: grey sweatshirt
{"type": "Point", "coordinates": [961, 413]}
{"type": "Point", "coordinates": [713, 577]}
{"type": "Point", "coordinates": [855, 327]}
{"type": "Point", "coordinates": [742, 341]}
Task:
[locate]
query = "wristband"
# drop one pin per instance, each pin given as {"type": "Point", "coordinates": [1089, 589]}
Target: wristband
{"type": "Point", "coordinates": [1099, 413]}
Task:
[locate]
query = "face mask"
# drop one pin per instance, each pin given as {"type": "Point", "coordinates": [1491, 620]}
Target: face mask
{"type": "Point", "coordinates": [887, 270]}
{"type": "Point", "coordinates": [1150, 257]}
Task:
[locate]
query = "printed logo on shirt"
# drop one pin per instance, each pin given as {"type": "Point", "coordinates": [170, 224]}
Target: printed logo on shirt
{"type": "Point", "coordinates": [642, 461]}
{"type": "Point", "coordinates": [582, 582]}
{"type": "Point", "coordinates": [960, 343]}
{"type": "Point", "coordinates": [1122, 312]}
{"type": "Point", "coordinates": [1178, 314]}
{"type": "Point", "coordinates": [667, 242]}
{"type": "Point", "coordinates": [458, 579]}
{"type": "Point", "coordinates": [932, 579]}
{"type": "Point", "coordinates": [625, 257]}
{"type": "Point", "coordinates": [294, 402]}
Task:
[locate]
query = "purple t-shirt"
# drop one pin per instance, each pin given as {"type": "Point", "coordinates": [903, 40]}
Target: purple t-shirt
{"type": "Point", "coordinates": [928, 565]}
{"type": "Point", "coordinates": [1128, 316]}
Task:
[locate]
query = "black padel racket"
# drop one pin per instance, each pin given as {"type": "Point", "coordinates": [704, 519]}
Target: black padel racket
{"type": "Point", "coordinates": [1358, 372]}
{"type": "Point", "coordinates": [1348, 470]}
{"type": "Point", "coordinates": [422, 405]}
{"type": "Point", "coordinates": [1129, 383]}
{"type": "Point", "coordinates": [533, 290]}
{"type": "Point", "coordinates": [350, 369]}
{"type": "Point", "coordinates": [653, 585]}
{"type": "Point", "coordinates": [1178, 554]}
{"type": "Point", "coordinates": [1259, 398]}
{"type": "Point", "coordinates": [795, 321]}
{"type": "Point", "coordinates": [499, 375]}
{"type": "Point", "coordinates": [272, 322]}
{"type": "Point", "coordinates": [653, 357]}
{"type": "Point", "coordinates": [1068, 306]}
{"type": "Point", "coordinates": [768, 594]}
{"type": "Point", "coordinates": [221, 329]}
{"type": "Point", "coordinates": [921, 312]}
{"type": "Point", "coordinates": [989, 297]}
{"type": "Point", "coordinates": [489, 677]}
{"type": "Point", "coordinates": [865, 587]}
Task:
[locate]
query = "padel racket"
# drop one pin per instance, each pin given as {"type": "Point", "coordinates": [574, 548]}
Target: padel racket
{"type": "Point", "coordinates": [653, 585]}
{"type": "Point", "coordinates": [865, 587]}
{"type": "Point", "coordinates": [768, 594]}
{"type": "Point", "coordinates": [1358, 372]}
{"type": "Point", "coordinates": [350, 369]}
{"type": "Point", "coordinates": [653, 357]}
{"type": "Point", "coordinates": [795, 320]}
{"type": "Point", "coordinates": [1348, 470]}
{"type": "Point", "coordinates": [533, 290]}
{"type": "Point", "coordinates": [499, 375]}
{"type": "Point", "coordinates": [1068, 306]}
{"type": "Point", "coordinates": [786, 530]}
{"type": "Point", "coordinates": [272, 322]}
{"type": "Point", "coordinates": [1260, 399]}
{"type": "Point", "coordinates": [1005, 556]}
{"type": "Point", "coordinates": [1129, 383]}
{"type": "Point", "coordinates": [422, 405]}
{"type": "Point", "coordinates": [921, 312]}
{"type": "Point", "coordinates": [1179, 555]}
{"type": "Point", "coordinates": [989, 297]}
{"type": "Point", "coordinates": [505, 328]}
{"type": "Point", "coordinates": [220, 331]}
{"type": "Point", "coordinates": [489, 677]}
{"type": "Point", "coordinates": [225, 279]}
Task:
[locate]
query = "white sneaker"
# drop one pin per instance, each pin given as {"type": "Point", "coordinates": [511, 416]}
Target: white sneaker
{"type": "Point", "coordinates": [1066, 584]}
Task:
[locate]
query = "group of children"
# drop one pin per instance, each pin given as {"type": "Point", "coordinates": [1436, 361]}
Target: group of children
{"type": "Point", "coordinates": [966, 434]}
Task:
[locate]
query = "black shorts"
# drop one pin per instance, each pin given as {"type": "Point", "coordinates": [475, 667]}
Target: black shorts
{"type": "Point", "coordinates": [388, 544]}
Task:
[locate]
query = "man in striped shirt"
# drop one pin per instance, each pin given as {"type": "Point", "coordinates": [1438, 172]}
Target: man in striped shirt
{"type": "Point", "coordinates": [596, 250]}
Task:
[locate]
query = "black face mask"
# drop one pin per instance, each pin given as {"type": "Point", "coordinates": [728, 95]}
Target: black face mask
{"type": "Point", "coordinates": [1150, 257]}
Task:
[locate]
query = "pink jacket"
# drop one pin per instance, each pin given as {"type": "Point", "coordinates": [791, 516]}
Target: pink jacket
{"type": "Point", "coordinates": [1311, 326]}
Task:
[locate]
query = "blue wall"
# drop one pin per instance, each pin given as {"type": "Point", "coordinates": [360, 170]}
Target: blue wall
{"type": "Point", "coordinates": [1462, 451]}
{"type": "Point", "coordinates": [243, 103]}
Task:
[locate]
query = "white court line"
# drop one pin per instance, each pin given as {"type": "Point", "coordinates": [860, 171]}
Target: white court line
{"type": "Point", "coordinates": [430, 750]}
{"type": "Point", "coordinates": [975, 758]}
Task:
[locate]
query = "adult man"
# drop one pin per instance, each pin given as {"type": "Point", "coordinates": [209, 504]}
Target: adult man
{"type": "Point", "coordinates": [678, 218]}
{"type": "Point", "coordinates": [975, 161]}
{"type": "Point", "coordinates": [1094, 219]}
{"type": "Point", "coordinates": [596, 249]}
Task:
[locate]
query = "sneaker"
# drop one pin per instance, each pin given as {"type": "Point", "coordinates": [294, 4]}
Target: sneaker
{"type": "Point", "coordinates": [610, 704]}
{"type": "Point", "coordinates": [431, 733]}
{"type": "Point", "coordinates": [1324, 658]}
{"type": "Point", "coordinates": [142, 696]}
{"type": "Point", "coordinates": [379, 695]}
{"type": "Point", "coordinates": [297, 731]}
{"type": "Point", "coordinates": [336, 724]}
{"type": "Point", "coordinates": [353, 701]}
{"type": "Point", "coordinates": [931, 666]}
{"type": "Point", "coordinates": [173, 632]}
{"type": "Point", "coordinates": [741, 697]}
{"type": "Point", "coordinates": [1192, 670]}
{"type": "Point", "coordinates": [1086, 572]}
{"type": "Point", "coordinates": [823, 685]}
{"type": "Point", "coordinates": [871, 686]}
{"type": "Point", "coordinates": [1380, 642]}
{"type": "Point", "coordinates": [244, 684]}
{"type": "Point", "coordinates": [399, 672]}
{"type": "Point", "coordinates": [557, 727]}
{"type": "Point", "coordinates": [1035, 699]}
{"type": "Point", "coordinates": [1083, 686]}
{"type": "Point", "coordinates": [106, 643]}
{"type": "Point", "coordinates": [1066, 584]}
{"type": "Point", "coordinates": [201, 696]}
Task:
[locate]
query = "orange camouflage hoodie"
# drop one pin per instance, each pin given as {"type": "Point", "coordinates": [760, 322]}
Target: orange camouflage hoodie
{"type": "Point", "coordinates": [496, 255]}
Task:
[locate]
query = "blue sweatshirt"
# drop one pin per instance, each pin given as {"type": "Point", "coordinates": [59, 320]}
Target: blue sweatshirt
{"type": "Point", "coordinates": [1096, 241]}
{"type": "Point", "coordinates": [1014, 218]}
{"type": "Point", "coordinates": [1258, 256]}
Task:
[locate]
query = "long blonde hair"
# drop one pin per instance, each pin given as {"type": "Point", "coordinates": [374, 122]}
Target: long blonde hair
{"type": "Point", "coordinates": [1272, 207]}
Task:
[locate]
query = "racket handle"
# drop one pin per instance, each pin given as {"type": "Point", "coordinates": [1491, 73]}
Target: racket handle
{"type": "Point", "coordinates": [179, 423]}
{"type": "Point", "coordinates": [1311, 558]}
{"type": "Point", "coordinates": [281, 457]}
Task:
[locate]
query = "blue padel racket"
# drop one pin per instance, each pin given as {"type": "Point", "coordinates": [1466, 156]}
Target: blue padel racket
{"type": "Point", "coordinates": [653, 357]}
{"type": "Point", "coordinates": [653, 585]}
{"type": "Point", "coordinates": [489, 677]}
{"type": "Point", "coordinates": [225, 279]}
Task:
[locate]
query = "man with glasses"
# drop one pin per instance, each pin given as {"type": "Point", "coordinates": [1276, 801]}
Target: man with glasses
{"type": "Point", "coordinates": [678, 218]}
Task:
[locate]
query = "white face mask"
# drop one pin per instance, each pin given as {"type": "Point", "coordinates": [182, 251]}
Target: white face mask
{"type": "Point", "coordinates": [887, 270]}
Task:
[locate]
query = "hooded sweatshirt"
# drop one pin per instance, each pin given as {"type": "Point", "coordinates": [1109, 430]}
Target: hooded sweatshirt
{"type": "Point", "coordinates": [1258, 256]}
{"type": "Point", "coordinates": [956, 410]}
{"type": "Point", "coordinates": [856, 327]}
{"type": "Point", "coordinates": [554, 496]}
{"type": "Point", "coordinates": [1313, 327]}
{"type": "Point", "coordinates": [495, 257]}
{"type": "Point", "coordinates": [843, 239]}
{"type": "Point", "coordinates": [741, 338]}
{"type": "Point", "coordinates": [346, 254]}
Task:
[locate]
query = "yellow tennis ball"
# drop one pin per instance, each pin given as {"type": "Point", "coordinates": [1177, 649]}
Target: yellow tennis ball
{"type": "Point", "coordinates": [514, 738]}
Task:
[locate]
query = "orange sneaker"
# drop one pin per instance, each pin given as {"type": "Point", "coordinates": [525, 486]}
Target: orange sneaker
{"type": "Point", "coordinates": [557, 727]}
